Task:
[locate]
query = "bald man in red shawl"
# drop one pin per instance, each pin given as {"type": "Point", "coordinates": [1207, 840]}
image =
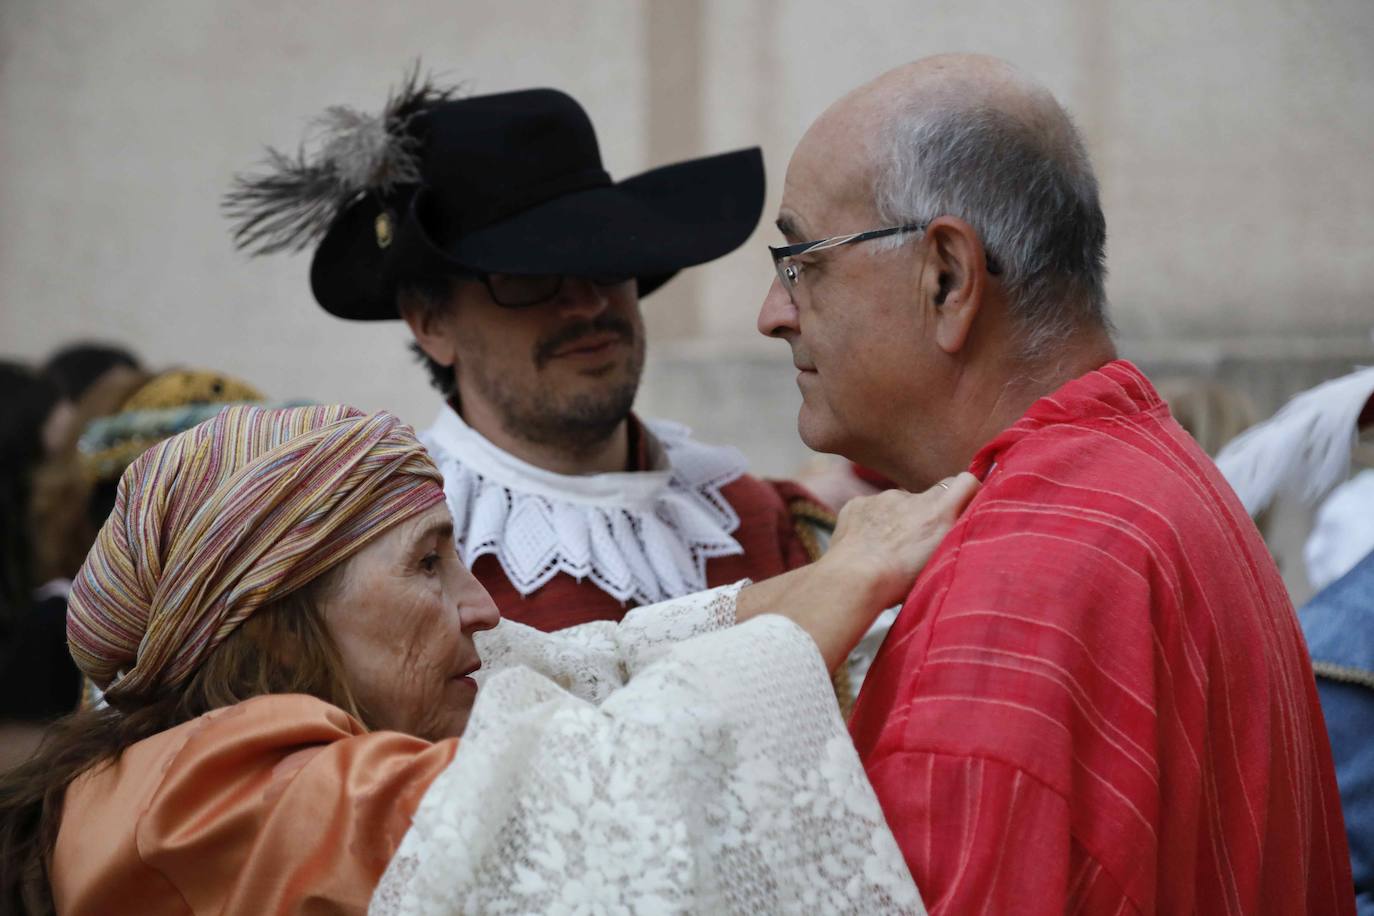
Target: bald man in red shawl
{"type": "Point", "coordinates": [1096, 698]}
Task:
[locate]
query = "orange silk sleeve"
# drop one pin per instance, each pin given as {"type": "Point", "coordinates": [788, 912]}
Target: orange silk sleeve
{"type": "Point", "coordinates": [277, 805]}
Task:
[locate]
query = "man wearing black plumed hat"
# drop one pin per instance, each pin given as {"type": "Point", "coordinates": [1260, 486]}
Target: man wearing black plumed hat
{"type": "Point", "coordinates": [488, 224]}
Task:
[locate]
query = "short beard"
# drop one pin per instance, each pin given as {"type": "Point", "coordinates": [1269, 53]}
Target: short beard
{"type": "Point", "coordinates": [578, 425]}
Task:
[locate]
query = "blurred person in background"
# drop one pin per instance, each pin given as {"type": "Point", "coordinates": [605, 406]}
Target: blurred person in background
{"type": "Point", "coordinates": [79, 367]}
{"type": "Point", "coordinates": [1305, 454]}
{"type": "Point", "coordinates": [43, 534]}
{"type": "Point", "coordinates": [1339, 626]}
{"type": "Point", "coordinates": [167, 403]}
{"type": "Point", "coordinates": [95, 378]}
{"type": "Point", "coordinates": [491, 227]}
{"type": "Point", "coordinates": [1096, 698]}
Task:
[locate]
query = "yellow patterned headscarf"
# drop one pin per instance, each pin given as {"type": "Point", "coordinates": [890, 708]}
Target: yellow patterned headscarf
{"type": "Point", "coordinates": [212, 523]}
{"type": "Point", "coordinates": [167, 403]}
{"type": "Point", "coordinates": [179, 387]}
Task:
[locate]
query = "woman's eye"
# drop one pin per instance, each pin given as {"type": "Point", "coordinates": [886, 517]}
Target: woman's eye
{"type": "Point", "coordinates": [430, 564]}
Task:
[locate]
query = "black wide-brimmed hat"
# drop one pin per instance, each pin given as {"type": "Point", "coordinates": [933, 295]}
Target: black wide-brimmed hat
{"type": "Point", "coordinates": [508, 183]}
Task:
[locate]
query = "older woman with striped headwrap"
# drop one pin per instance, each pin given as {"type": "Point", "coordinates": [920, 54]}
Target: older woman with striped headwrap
{"type": "Point", "coordinates": [288, 646]}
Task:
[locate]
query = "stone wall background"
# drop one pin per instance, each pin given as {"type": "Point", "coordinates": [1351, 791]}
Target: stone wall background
{"type": "Point", "coordinates": [1233, 139]}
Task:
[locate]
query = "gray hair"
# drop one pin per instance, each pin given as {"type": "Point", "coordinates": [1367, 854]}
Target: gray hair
{"type": "Point", "coordinates": [1029, 192]}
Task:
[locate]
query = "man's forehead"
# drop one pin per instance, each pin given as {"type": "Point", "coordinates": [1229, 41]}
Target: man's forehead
{"type": "Point", "coordinates": [829, 178]}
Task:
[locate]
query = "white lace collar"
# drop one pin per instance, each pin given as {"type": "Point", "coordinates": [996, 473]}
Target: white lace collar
{"type": "Point", "coordinates": [638, 535]}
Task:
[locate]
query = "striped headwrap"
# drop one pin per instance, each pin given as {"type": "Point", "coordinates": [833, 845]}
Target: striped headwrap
{"type": "Point", "coordinates": [214, 522]}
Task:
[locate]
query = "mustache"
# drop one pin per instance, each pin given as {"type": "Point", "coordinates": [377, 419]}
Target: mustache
{"type": "Point", "coordinates": [545, 349]}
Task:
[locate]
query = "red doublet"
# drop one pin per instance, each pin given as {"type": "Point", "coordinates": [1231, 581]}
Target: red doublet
{"type": "Point", "coordinates": [767, 532]}
{"type": "Point", "coordinates": [1097, 698]}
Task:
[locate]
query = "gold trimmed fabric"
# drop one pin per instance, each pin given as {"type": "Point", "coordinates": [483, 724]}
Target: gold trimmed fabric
{"type": "Point", "coordinates": [1348, 674]}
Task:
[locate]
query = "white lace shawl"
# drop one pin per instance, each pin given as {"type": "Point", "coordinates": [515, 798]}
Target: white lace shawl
{"type": "Point", "coordinates": [641, 536]}
{"type": "Point", "coordinates": [671, 763]}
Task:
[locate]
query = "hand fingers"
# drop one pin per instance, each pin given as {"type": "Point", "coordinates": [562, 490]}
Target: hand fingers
{"type": "Point", "coordinates": [956, 492]}
{"type": "Point", "coordinates": [947, 500]}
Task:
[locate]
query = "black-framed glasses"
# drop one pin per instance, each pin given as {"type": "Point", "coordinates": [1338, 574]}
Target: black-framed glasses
{"type": "Point", "coordinates": [518, 291]}
{"type": "Point", "coordinates": [790, 270]}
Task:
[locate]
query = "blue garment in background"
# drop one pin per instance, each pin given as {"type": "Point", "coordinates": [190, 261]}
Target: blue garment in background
{"type": "Point", "coordinates": [1339, 626]}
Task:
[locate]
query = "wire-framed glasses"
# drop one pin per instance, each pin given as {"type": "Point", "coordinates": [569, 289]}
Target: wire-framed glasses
{"type": "Point", "coordinates": [790, 270]}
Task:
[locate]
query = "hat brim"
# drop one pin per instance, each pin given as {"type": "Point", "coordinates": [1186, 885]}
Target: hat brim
{"type": "Point", "coordinates": [647, 227]}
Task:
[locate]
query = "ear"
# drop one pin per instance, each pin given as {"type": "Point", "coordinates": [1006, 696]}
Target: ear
{"type": "Point", "coordinates": [430, 331]}
{"type": "Point", "coordinates": [955, 281]}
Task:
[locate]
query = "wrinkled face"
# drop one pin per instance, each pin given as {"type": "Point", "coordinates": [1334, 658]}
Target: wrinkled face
{"type": "Point", "coordinates": [854, 323]}
{"type": "Point", "coordinates": [403, 615]}
{"type": "Point", "coordinates": [563, 372]}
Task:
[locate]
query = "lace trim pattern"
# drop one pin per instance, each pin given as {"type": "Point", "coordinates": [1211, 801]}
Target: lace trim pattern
{"type": "Point", "coordinates": [713, 776]}
{"type": "Point", "coordinates": [638, 536]}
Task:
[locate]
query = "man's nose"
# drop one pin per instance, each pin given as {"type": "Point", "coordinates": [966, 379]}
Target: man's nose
{"type": "Point", "coordinates": [579, 297]}
{"type": "Point", "coordinates": [778, 314]}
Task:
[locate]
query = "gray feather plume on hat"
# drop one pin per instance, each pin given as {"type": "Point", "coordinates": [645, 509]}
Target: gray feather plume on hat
{"type": "Point", "coordinates": [294, 199]}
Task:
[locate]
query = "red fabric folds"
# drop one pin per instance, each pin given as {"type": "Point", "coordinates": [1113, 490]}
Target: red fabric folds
{"type": "Point", "coordinates": [1097, 698]}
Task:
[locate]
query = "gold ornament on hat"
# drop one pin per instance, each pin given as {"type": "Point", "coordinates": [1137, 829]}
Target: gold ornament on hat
{"type": "Point", "coordinates": [383, 227]}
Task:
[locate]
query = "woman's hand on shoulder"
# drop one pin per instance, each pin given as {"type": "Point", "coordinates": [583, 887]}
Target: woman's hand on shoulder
{"type": "Point", "coordinates": [881, 544]}
{"type": "Point", "coordinates": [886, 539]}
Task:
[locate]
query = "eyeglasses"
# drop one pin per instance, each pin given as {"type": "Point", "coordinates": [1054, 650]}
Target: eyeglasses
{"type": "Point", "coordinates": [790, 270]}
{"type": "Point", "coordinates": [518, 291]}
